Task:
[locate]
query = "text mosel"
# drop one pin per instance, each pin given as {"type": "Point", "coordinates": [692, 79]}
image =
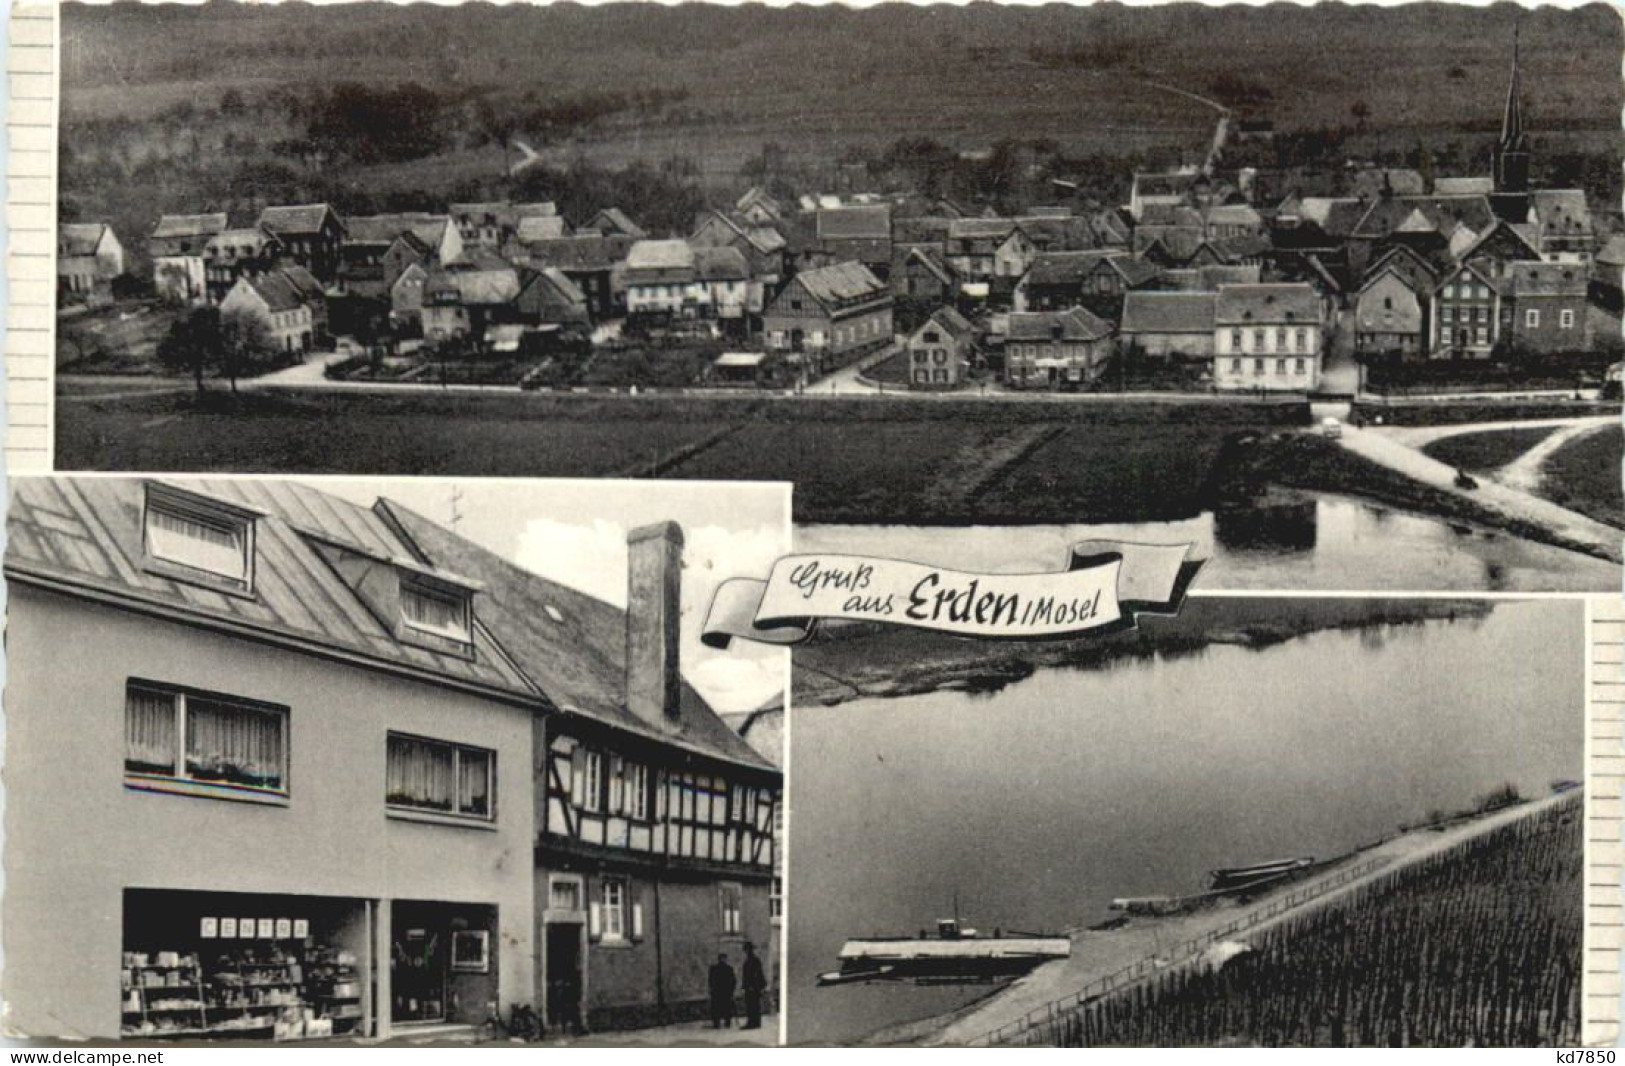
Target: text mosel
{"type": "Point", "coordinates": [937, 598]}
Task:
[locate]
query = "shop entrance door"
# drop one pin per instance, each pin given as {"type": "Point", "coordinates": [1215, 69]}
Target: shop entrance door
{"type": "Point", "coordinates": [418, 965]}
{"type": "Point", "coordinates": [564, 977]}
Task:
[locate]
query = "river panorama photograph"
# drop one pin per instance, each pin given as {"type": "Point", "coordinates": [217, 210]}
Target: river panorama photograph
{"type": "Point", "coordinates": [1351, 822]}
{"type": "Point", "coordinates": [1337, 287]}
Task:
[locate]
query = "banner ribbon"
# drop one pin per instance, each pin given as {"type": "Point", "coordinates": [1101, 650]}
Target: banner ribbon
{"type": "Point", "coordinates": [1103, 587]}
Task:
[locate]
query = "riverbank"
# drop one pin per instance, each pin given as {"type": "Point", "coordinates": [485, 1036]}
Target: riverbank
{"type": "Point", "coordinates": [1366, 464]}
{"type": "Point", "coordinates": [1148, 947]}
{"type": "Point", "coordinates": [863, 662]}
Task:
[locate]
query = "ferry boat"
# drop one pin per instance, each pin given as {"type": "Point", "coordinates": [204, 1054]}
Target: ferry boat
{"type": "Point", "coordinates": [956, 955]}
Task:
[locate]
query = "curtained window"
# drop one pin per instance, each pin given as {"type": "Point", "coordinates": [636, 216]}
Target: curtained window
{"type": "Point", "coordinates": [613, 909]}
{"type": "Point", "coordinates": [732, 899]}
{"type": "Point", "coordinates": [433, 775]}
{"type": "Point", "coordinates": [436, 612]}
{"type": "Point", "coordinates": [225, 741]}
{"type": "Point", "coordinates": [191, 538]}
{"type": "Point", "coordinates": [637, 791]}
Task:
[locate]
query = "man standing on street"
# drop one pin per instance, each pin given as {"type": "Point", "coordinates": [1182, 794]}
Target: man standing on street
{"type": "Point", "coordinates": [722, 984]}
{"type": "Point", "coordinates": [754, 982]}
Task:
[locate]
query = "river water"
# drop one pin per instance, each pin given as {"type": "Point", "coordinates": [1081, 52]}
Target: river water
{"type": "Point", "coordinates": [1039, 803]}
{"type": "Point", "coordinates": [1327, 543]}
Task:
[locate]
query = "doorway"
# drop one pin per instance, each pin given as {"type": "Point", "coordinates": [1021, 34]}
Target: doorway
{"type": "Point", "coordinates": [564, 974]}
{"type": "Point", "coordinates": [418, 964]}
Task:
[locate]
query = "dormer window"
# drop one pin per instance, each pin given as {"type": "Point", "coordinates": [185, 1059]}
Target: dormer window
{"type": "Point", "coordinates": [198, 539]}
{"type": "Point", "coordinates": [440, 611]}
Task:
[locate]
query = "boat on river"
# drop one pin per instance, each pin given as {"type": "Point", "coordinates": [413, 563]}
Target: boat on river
{"type": "Point", "coordinates": [955, 955]}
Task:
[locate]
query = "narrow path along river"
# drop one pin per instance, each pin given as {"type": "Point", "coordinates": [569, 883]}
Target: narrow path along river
{"type": "Point", "coordinates": [1097, 954]}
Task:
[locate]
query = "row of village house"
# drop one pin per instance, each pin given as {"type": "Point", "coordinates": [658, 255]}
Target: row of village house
{"type": "Point", "coordinates": [1192, 266]}
{"type": "Point", "coordinates": [334, 770]}
{"type": "Point", "coordinates": [1429, 284]}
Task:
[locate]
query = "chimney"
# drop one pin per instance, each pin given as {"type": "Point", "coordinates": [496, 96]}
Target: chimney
{"type": "Point", "coordinates": [653, 610]}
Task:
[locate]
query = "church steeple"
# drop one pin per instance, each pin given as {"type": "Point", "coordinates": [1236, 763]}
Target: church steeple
{"type": "Point", "coordinates": [1512, 152]}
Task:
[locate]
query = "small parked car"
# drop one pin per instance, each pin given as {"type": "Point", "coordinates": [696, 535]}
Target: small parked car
{"type": "Point", "coordinates": [1331, 428]}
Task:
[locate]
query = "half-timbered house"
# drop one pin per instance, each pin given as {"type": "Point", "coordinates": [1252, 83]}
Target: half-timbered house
{"type": "Point", "coordinates": [654, 848]}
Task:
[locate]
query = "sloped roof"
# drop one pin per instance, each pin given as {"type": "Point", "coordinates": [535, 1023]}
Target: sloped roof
{"type": "Point", "coordinates": [1548, 279]}
{"type": "Point", "coordinates": [754, 196]}
{"type": "Point", "coordinates": [972, 229]}
{"type": "Point", "coordinates": [1178, 242]}
{"type": "Point", "coordinates": [614, 220]}
{"type": "Point", "coordinates": [1241, 246]}
{"type": "Point", "coordinates": [855, 223]}
{"type": "Point", "coordinates": [541, 228]}
{"type": "Point", "coordinates": [1068, 268]}
{"type": "Point", "coordinates": [1337, 216]}
{"type": "Point", "coordinates": [1233, 215]}
{"type": "Point", "coordinates": [765, 239]}
{"type": "Point", "coordinates": [190, 225]}
{"type": "Point", "coordinates": [1562, 212]}
{"type": "Point", "coordinates": [1417, 280]}
{"type": "Point", "coordinates": [1076, 324]}
{"type": "Point", "coordinates": [1445, 212]}
{"type": "Point", "coordinates": [922, 229]}
{"type": "Point", "coordinates": [304, 283]}
{"type": "Point", "coordinates": [429, 229]}
{"type": "Point", "coordinates": [1169, 312]}
{"type": "Point", "coordinates": [1397, 181]}
{"type": "Point", "coordinates": [671, 254]}
{"type": "Point", "coordinates": [583, 251]}
{"type": "Point", "coordinates": [1463, 186]}
{"type": "Point", "coordinates": [79, 238]}
{"type": "Point", "coordinates": [931, 259]}
{"type": "Point", "coordinates": [1058, 232]}
{"type": "Point", "coordinates": [559, 282]}
{"type": "Point", "coordinates": [1521, 233]}
{"type": "Point", "coordinates": [1171, 215]}
{"type": "Point", "coordinates": [1614, 251]}
{"type": "Point", "coordinates": [951, 321]}
{"type": "Point", "coordinates": [295, 218]}
{"type": "Point", "coordinates": [1390, 259]}
{"type": "Point", "coordinates": [478, 286]}
{"type": "Point", "coordinates": [721, 264]}
{"type": "Point", "coordinates": [578, 661]}
{"type": "Point", "coordinates": [1269, 302]}
{"type": "Point", "coordinates": [278, 291]}
{"type": "Point", "coordinates": [840, 282]}
{"type": "Point", "coordinates": [1165, 183]}
{"type": "Point", "coordinates": [1111, 225]}
{"type": "Point", "coordinates": [86, 532]}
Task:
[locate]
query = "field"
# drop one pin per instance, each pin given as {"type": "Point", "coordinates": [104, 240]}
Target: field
{"type": "Point", "coordinates": [1488, 450]}
{"type": "Point", "coordinates": [168, 109]}
{"type": "Point", "coordinates": [1584, 475]}
{"type": "Point", "coordinates": [1478, 946]}
{"type": "Point", "coordinates": [1083, 471]}
{"type": "Point", "coordinates": [116, 340]}
{"type": "Point", "coordinates": [358, 434]}
{"type": "Point", "coordinates": [893, 460]}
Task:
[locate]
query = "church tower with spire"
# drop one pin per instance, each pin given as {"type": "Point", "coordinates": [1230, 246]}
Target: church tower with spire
{"type": "Point", "coordinates": [1512, 151]}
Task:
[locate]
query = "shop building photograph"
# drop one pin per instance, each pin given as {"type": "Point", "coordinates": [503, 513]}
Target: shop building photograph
{"type": "Point", "coordinates": [293, 761]}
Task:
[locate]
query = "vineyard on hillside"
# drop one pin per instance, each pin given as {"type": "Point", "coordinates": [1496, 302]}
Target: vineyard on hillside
{"type": "Point", "coordinates": [1476, 946]}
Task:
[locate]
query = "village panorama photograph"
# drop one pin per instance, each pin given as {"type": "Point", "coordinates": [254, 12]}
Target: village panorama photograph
{"type": "Point", "coordinates": [1333, 289]}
